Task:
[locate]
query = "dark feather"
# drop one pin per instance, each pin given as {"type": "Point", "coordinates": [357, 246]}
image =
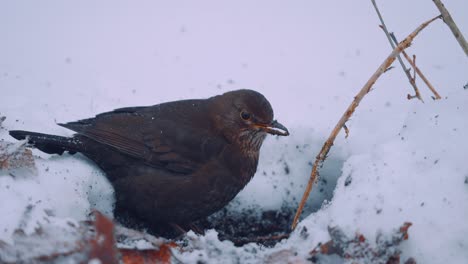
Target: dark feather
{"type": "Point", "coordinates": [161, 136]}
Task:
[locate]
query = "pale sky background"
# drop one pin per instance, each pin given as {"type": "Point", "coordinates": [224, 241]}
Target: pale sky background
{"type": "Point", "coordinates": [66, 60]}
{"type": "Point", "coordinates": [144, 52]}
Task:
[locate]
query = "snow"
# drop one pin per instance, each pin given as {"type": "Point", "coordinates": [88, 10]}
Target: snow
{"type": "Point", "coordinates": [404, 161]}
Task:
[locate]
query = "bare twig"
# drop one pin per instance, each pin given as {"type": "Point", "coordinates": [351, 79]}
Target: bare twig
{"type": "Point", "coordinates": [418, 71]}
{"type": "Point", "coordinates": [407, 71]}
{"type": "Point", "coordinates": [346, 129]}
{"type": "Point", "coordinates": [350, 110]}
{"type": "Point", "coordinates": [451, 24]}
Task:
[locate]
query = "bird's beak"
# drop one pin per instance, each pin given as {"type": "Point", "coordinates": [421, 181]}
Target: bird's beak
{"type": "Point", "coordinates": [274, 128]}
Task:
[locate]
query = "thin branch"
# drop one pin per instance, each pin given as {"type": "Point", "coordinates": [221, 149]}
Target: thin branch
{"type": "Point", "coordinates": [389, 68]}
{"type": "Point", "coordinates": [418, 71]}
{"type": "Point", "coordinates": [350, 110]}
{"type": "Point", "coordinates": [346, 129]}
{"type": "Point", "coordinates": [451, 24]}
{"type": "Point", "coordinates": [407, 72]}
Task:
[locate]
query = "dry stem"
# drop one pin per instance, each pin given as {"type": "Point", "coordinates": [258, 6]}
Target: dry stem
{"type": "Point", "coordinates": [451, 24]}
{"type": "Point", "coordinates": [350, 110]}
{"type": "Point", "coordinates": [418, 71]}
{"type": "Point", "coordinates": [407, 72]}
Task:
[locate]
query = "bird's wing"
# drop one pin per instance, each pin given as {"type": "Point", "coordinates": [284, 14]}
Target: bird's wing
{"type": "Point", "coordinates": [160, 137]}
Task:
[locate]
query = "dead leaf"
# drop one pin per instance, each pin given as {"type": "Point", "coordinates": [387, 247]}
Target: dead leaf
{"type": "Point", "coordinates": [162, 255]}
{"type": "Point", "coordinates": [103, 244]}
{"type": "Point", "coordinates": [359, 250]}
{"type": "Point", "coordinates": [15, 156]}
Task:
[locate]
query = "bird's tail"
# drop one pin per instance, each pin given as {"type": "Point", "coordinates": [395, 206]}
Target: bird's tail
{"type": "Point", "coordinates": [50, 144]}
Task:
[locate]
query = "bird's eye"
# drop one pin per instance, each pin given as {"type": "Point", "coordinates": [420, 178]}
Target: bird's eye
{"type": "Point", "coordinates": [245, 115]}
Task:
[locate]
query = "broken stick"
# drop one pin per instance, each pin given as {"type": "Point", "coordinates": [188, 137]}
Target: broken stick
{"type": "Point", "coordinates": [350, 110]}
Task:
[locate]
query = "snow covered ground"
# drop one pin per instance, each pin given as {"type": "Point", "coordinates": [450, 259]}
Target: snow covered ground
{"type": "Point", "coordinates": [404, 161]}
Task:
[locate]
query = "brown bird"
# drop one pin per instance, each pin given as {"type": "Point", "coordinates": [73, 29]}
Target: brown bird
{"type": "Point", "coordinates": [174, 162]}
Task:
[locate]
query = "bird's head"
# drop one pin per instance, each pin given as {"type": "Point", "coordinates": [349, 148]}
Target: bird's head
{"type": "Point", "coordinates": [245, 117]}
